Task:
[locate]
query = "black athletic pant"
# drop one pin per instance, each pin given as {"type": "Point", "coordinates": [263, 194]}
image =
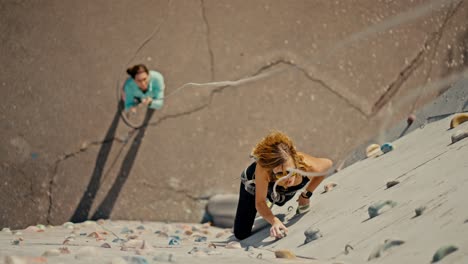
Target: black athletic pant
{"type": "Point", "coordinates": [245, 214]}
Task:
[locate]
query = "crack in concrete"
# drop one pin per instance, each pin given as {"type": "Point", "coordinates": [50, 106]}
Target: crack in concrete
{"type": "Point", "coordinates": [323, 84]}
{"type": "Point", "coordinates": [208, 42]}
{"type": "Point", "coordinates": [182, 191]}
{"type": "Point", "coordinates": [433, 52]}
{"type": "Point", "coordinates": [66, 156]}
{"type": "Point", "coordinates": [259, 71]}
{"type": "Point", "coordinates": [417, 61]}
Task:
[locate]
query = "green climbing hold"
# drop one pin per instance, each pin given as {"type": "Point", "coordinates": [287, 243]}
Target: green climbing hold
{"type": "Point", "coordinates": [374, 209]}
{"type": "Point", "coordinates": [443, 252]}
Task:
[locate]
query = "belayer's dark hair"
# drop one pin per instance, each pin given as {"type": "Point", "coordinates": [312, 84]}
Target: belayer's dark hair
{"type": "Point", "coordinates": [134, 70]}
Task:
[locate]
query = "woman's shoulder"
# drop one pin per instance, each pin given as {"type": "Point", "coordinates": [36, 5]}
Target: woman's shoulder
{"type": "Point", "coordinates": [155, 74]}
{"type": "Point", "coordinates": [129, 84]}
{"type": "Point", "coordinates": [315, 163]}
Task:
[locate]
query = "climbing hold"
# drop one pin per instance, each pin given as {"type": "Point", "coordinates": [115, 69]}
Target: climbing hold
{"type": "Point", "coordinates": [419, 211]}
{"type": "Point", "coordinates": [68, 225]}
{"type": "Point", "coordinates": [97, 236]}
{"type": "Point", "coordinates": [84, 145]}
{"type": "Point", "coordinates": [346, 251]}
{"type": "Point", "coordinates": [64, 250]}
{"type": "Point", "coordinates": [133, 243]}
{"type": "Point", "coordinates": [174, 240]}
{"type": "Point", "coordinates": [459, 135]}
{"type": "Point", "coordinates": [386, 147]}
{"type": "Point", "coordinates": [302, 209]}
{"type": "Point", "coordinates": [140, 227]}
{"type": "Point", "coordinates": [7, 230]}
{"type": "Point", "coordinates": [390, 184]}
{"type": "Point", "coordinates": [33, 229]}
{"type": "Point", "coordinates": [458, 119]}
{"type": "Point", "coordinates": [233, 245]}
{"type": "Point", "coordinates": [161, 233]}
{"type": "Point", "coordinates": [443, 252]}
{"type": "Point", "coordinates": [106, 245]}
{"type": "Point", "coordinates": [259, 256]}
{"type": "Point", "coordinates": [135, 259]}
{"type": "Point", "coordinates": [379, 250]}
{"type": "Point", "coordinates": [51, 253]}
{"type": "Point", "coordinates": [126, 230]}
{"type": "Point", "coordinates": [312, 234]}
{"type": "Point", "coordinates": [119, 240]}
{"type": "Point", "coordinates": [86, 252]}
{"type": "Point", "coordinates": [372, 150]}
{"type": "Point", "coordinates": [164, 257]}
{"type": "Point", "coordinates": [17, 242]}
{"type": "Point", "coordinates": [200, 239]}
{"type": "Point", "coordinates": [24, 259]}
{"type": "Point", "coordinates": [411, 118]}
{"type": "Point", "coordinates": [374, 209]}
{"type": "Point", "coordinates": [285, 253]}
{"type": "Point", "coordinates": [329, 186]}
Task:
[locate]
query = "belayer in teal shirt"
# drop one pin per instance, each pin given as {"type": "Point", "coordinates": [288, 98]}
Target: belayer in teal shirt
{"type": "Point", "coordinates": [143, 86]}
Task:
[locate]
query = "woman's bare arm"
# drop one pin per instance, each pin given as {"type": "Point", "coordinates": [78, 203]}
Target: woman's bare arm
{"type": "Point", "coordinates": [316, 165]}
{"type": "Point", "coordinates": [261, 191]}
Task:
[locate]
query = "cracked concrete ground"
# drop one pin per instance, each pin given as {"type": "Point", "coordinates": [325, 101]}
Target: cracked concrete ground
{"type": "Point", "coordinates": [63, 60]}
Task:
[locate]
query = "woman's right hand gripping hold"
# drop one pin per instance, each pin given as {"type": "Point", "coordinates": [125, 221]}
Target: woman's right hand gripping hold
{"type": "Point", "coordinates": [277, 229]}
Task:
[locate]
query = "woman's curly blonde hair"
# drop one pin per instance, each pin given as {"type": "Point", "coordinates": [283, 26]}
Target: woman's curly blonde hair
{"type": "Point", "coordinates": [275, 149]}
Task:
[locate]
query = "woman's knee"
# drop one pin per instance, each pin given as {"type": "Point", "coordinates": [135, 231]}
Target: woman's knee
{"type": "Point", "coordinates": [241, 234]}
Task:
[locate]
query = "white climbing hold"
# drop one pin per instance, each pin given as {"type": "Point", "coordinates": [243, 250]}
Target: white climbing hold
{"type": "Point", "coordinates": [233, 245]}
{"type": "Point", "coordinates": [372, 150]}
{"type": "Point", "coordinates": [86, 252]}
{"type": "Point", "coordinates": [312, 234]}
{"type": "Point", "coordinates": [51, 253]}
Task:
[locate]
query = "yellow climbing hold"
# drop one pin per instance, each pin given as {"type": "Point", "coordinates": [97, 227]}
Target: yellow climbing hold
{"type": "Point", "coordinates": [285, 253]}
{"type": "Point", "coordinates": [372, 150]}
{"type": "Point", "coordinates": [458, 119]}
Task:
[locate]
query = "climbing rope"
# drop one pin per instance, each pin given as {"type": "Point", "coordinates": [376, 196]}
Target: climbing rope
{"type": "Point", "coordinates": [292, 171]}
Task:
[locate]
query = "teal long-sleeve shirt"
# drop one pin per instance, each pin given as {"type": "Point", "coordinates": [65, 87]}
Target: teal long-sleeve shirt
{"type": "Point", "coordinates": [133, 94]}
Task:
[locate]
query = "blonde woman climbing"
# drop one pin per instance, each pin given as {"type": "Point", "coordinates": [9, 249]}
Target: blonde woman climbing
{"type": "Point", "coordinates": [273, 176]}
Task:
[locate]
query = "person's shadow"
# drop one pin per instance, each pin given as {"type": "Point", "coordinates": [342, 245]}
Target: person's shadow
{"type": "Point", "coordinates": [104, 210]}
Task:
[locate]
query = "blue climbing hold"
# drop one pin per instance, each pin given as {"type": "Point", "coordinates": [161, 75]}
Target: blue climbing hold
{"type": "Point", "coordinates": [174, 241]}
{"type": "Point", "coordinates": [201, 239]}
{"type": "Point", "coordinates": [387, 147]}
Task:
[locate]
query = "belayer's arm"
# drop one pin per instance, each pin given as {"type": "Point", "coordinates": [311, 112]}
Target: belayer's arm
{"type": "Point", "coordinates": [158, 81]}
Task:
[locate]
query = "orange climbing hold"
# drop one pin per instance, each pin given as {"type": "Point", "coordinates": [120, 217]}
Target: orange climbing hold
{"type": "Point", "coordinates": [458, 119]}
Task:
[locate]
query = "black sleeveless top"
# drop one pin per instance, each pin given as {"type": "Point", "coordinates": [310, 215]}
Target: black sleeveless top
{"type": "Point", "coordinates": [285, 193]}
